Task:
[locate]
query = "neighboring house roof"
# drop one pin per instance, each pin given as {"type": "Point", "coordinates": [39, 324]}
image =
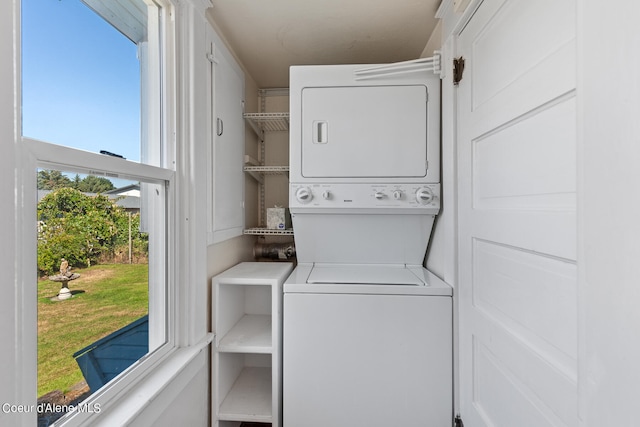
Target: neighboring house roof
{"type": "Point", "coordinates": [127, 190]}
{"type": "Point", "coordinates": [128, 202]}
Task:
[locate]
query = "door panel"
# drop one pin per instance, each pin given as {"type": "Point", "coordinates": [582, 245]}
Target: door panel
{"type": "Point", "coordinates": [514, 286]}
{"type": "Point", "coordinates": [517, 215]}
{"type": "Point", "coordinates": [523, 78]}
{"type": "Point", "coordinates": [554, 187]}
{"type": "Point", "coordinates": [513, 39]}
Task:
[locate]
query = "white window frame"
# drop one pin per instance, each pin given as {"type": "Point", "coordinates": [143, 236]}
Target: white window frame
{"type": "Point", "coordinates": [160, 109]}
{"type": "Point", "coordinates": [51, 156]}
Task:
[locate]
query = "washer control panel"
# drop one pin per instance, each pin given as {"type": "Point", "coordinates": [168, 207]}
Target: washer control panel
{"type": "Point", "coordinates": [365, 196]}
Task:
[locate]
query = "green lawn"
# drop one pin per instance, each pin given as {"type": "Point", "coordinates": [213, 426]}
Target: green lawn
{"type": "Point", "coordinates": [114, 296]}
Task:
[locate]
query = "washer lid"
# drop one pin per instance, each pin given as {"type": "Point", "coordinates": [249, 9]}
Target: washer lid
{"type": "Point", "coordinates": [363, 274]}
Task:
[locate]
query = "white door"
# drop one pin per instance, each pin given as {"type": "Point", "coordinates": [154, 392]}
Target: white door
{"type": "Point", "coordinates": [517, 215]}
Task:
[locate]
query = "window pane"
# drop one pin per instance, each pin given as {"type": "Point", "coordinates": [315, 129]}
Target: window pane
{"type": "Point", "coordinates": [81, 79]}
{"type": "Point", "coordinates": [94, 283]}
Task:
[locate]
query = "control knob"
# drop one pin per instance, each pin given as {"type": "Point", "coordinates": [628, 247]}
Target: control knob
{"type": "Point", "coordinates": [397, 194]}
{"type": "Point", "coordinates": [424, 195]}
{"type": "Point", "coordinates": [326, 194]}
{"type": "Point", "coordinates": [304, 195]}
{"type": "Point", "coordinates": [379, 195]}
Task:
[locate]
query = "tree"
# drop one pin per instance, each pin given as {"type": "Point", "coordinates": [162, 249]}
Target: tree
{"type": "Point", "coordinates": [52, 179]}
{"type": "Point", "coordinates": [80, 228]}
{"type": "Point", "coordinates": [94, 184]}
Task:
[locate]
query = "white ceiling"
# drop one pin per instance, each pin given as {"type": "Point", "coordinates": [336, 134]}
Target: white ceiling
{"type": "Point", "coordinates": [270, 35]}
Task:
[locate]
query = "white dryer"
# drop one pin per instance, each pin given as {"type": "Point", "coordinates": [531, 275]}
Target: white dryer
{"type": "Point", "coordinates": [367, 337]}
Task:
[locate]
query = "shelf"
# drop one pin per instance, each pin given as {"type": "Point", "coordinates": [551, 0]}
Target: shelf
{"type": "Point", "coordinates": [250, 397]}
{"type": "Point", "coordinates": [257, 172]}
{"type": "Point", "coordinates": [258, 231]}
{"type": "Point", "coordinates": [252, 334]}
{"type": "Point", "coordinates": [267, 122]}
{"type": "Point", "coordinates": [275, 170]}
{"type": "Point", "coordinates": [262, 123]}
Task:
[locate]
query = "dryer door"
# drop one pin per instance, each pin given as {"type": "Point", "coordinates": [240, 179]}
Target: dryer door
{"type": "Point", "coordinates": [364, 132]}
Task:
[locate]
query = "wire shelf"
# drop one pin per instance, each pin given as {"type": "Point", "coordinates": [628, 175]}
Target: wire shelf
{"type": "Point", "coordinates": [268, 122]}
{"type": "Point", "coordinates": [259, 231]}
{"type": "Point", "coordinates": [267, 170]}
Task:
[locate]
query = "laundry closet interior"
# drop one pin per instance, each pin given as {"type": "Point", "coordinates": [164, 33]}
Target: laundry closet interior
{"type": "Point", "coordinates": [382, 203]}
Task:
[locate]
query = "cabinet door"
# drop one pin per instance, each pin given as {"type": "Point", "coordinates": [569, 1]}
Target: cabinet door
{"type": "Point", "coordinates": [227, 151]}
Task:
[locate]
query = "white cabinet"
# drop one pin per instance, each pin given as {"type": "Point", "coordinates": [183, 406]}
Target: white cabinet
{"type": "Point", "coordinates": [247, 358]}
{"type": "Point", "coordinates": [226, 150]}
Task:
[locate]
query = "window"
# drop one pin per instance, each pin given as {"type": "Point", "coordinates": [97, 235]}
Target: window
{"type": "Point", "coordinates": [81, 79]}
{"type": "Point", "coordinates": [93, 114]}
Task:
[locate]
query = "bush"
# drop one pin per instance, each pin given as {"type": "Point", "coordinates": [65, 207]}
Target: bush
{"type": "Point", "coordinates": [56, 247]}
{"type": "Point", "coordinates": [82, 229]}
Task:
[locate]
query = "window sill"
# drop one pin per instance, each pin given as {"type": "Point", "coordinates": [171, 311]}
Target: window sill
{"type": "Point", "coordinates": [129, 401]}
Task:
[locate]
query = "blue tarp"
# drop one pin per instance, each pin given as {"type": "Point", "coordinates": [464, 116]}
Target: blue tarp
{"type": "Point", "coordinates": [106, 358]}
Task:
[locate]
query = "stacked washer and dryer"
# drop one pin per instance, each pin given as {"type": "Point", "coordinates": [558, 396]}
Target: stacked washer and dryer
{"type": "Point", "coordinates": [367, 337]}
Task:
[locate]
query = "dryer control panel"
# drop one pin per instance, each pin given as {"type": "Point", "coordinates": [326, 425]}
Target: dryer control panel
{"type": "Point", "coordinates": [422, 197]}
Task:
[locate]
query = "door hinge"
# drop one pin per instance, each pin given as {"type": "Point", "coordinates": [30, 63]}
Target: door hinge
{"type": "Point", "coordinates": [457, 422]}
{"type": "Point", "coordinates": [458, 68]}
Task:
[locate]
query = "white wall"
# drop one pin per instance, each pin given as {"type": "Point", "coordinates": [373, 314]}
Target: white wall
{"type": "Point", "coordinates": [185, 402]}
{"type": "Point", "coordinates": [609, 211]}
{"type": "Point", "coordinates": [434, 43]}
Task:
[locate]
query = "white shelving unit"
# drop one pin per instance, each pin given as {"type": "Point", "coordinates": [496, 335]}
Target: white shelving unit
{"type": "Point", "coordinates": [261, 123]}
{"type": "Point", "coordinates": [247, 358]}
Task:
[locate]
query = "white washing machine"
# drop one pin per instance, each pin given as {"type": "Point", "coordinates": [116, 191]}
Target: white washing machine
{"type": "Point", "coordinates": [367, 337]}
{"type": "Point", "coordinates": [367, 346]}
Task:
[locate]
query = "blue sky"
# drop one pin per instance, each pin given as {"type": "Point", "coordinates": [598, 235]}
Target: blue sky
{"type": "Point", "coordinates": [80, 78]}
